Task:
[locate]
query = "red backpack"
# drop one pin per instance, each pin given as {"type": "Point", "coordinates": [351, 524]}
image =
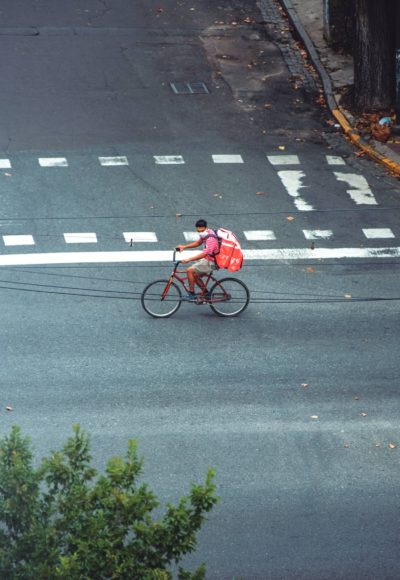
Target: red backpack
{"type": "Point", "coordinates": [230, 255]}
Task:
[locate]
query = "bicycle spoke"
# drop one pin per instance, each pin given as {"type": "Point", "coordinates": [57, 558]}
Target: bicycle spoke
{"type": "Point", "coordinates": [158, 306]}
{"type": "Point", "coordinates": [229, 297]}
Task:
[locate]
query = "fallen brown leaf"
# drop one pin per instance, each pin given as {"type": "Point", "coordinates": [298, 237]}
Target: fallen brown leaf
{"type": "Point", "coordinates": [290, 218]}
{"type": "Point", "coordinates": [310, 269]}
{"type": "Point", "coordinates": [392, 446]}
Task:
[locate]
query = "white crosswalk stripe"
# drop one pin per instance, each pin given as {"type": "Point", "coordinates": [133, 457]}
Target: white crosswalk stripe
{"type": "Point", "coordinates": [378, 233]}
{"type": "Point", "coordinates": [80, 238]}
{"type": "Point", "coordinates": [261, 235]}
{"type": "Point", "coordinates": [169, 159]}
{"type": "Point", "coordinates": [18, 240]}
{"type": "Point", "coordinates": [227, 158]}
{"type": "Point", "coordinates": [109, 161]}
{"type": "Point", "coordinates": [140, 237]}
{"type": "Point", "coordinates": [335, 160]}
{"type": "Point", "coordinates": [53, 162]}
{"type": "Point", "coordinates": [283, 159]}
{"type": "Point", "coordinates": [317, 234]}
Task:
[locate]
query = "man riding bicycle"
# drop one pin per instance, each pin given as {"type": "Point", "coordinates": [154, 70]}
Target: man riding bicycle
{"type": "Point", "coordinates": [204, 262]}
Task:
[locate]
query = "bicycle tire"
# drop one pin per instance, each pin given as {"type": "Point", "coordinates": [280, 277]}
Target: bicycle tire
{"type": "Point", "coordinates": [152, 302]}
{"type": "Point", "coordinates": [236, 303]}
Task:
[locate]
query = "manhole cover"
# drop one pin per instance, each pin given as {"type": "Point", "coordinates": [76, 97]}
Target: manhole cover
{"type": "Point", "coordinates": [194, 88]}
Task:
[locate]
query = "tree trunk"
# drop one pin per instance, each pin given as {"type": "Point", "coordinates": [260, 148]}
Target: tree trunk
{"type": "Point", "coordinates": [374, 54]}
{"type": "Point", "coordinates": [339, 24]}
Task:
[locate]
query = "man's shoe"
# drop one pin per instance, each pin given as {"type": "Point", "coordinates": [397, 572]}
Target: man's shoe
{"type": "Point", "coordinates": [206, 296]}
{"type": "Point", "coordinates": [190, 297]}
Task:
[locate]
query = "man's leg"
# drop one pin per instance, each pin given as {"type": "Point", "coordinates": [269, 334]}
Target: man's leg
{"type": "Point", "coordinates": [191, 279]}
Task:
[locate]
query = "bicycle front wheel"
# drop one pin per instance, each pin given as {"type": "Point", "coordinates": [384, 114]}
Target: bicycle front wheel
{"type": "Point", "coordinates": [229, 297]}
{"type": "Point", "coordinates": [161, 298]}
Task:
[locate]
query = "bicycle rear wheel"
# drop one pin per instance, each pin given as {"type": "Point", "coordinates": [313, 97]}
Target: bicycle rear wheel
{"type": "Point", "coordinates": [229, 297]}
{"type": "Point", "coordinates": [160, 302]}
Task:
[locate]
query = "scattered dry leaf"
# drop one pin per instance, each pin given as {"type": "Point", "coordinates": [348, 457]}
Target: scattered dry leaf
{"type": "Point", "coordinates": [348, 296]}
{"type": "Point", "coordinates": [392, 446]}
{"type": "Point", "coordinates": [346, 445]}
{"type": "Point", "coordinates": [356, 398]}
{"type": "Point", "coordinates": [310, 269]}
{"type": "Point", "coordinates": [261, 193]}
{"type": "Point", "coordinates": [314, 417]}
{"type": "Point", "coordinates": [364, 414]}
{"type": "Point", "coordinates": [9, 408]}
{"type": "Point", "coordinates": [304, 385]}
{"type": "Point", "coordinates": [290, 218]}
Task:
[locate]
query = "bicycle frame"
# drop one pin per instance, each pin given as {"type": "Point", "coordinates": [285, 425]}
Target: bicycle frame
{"type": "Point", "coordinates": [182, 280]}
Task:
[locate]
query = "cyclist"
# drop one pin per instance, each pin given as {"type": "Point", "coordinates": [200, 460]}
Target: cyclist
{"type": "Point", "coordinates": [204, 262]}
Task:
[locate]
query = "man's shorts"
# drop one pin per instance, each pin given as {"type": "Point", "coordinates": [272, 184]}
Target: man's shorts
{"type": "Point", "coordinates": [203, 266]}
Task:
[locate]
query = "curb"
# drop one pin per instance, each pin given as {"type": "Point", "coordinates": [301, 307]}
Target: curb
{"type": "Point", "coordinates": [352, 134]}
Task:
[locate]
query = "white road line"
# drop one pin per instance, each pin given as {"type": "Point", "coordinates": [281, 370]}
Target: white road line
{"type": "Point", "coordinates": [227, 158]}
{"type": "Point", "coordinates": [378, 233]}
{"type": "Point", "coordinates": [191, 236]}
{"type": "Point", "coordinates": [107, 161]}
{"type": "Point", "coordinates": [335, 160]}
{"type": "Point", "coordinates": [293, 182]}
{"type": "Point", "coordinates": [19, 240]}
{"type": "Point", "coordinates": [254, 235]}
{"type": "Point", "coordinates": [5, 164]}
{"type": "Point", "coordinates": [53, 162]}
{"type": "Point", "coordinates": [283, 159]}
{"type": "Point", "coordinates": [166, 256]}
{"type": "Point", "coordinates": [317, 234]}
{"type": "Point", "coordinates": [360, 191]}
{"type": "Point", "coordinates": [140, 237]}
{"type": "Point", "coordinates": [169, 159]}
{"type": "Point", "coordinates": [80, 238]}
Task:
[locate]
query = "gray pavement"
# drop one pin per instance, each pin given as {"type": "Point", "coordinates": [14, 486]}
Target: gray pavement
{"type": "Point", "coordinates": [295, 403]}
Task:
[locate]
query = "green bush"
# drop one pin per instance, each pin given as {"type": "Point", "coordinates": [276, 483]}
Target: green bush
{"type": "Point", "coordinates": [64, 520]}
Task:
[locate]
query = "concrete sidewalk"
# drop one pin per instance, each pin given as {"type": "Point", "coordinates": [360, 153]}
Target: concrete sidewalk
{"type": "Point", "coordinates": [336, 73]}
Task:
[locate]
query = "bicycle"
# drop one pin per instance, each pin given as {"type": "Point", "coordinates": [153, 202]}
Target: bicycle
{"type": "Point", "coordinates": [162, 298]}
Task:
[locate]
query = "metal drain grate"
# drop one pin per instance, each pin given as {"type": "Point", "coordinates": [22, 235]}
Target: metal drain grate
{"type": "Point", "coordinates": [195, 88]}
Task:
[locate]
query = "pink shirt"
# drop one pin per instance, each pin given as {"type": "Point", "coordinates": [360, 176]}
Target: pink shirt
{"type": "Point", "coordinates": [210, 243]}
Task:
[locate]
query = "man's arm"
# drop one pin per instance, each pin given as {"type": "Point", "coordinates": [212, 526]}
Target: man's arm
{"type": "Point", "coordinates": [188, 246]}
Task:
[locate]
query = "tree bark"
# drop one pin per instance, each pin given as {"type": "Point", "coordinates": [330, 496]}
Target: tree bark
{"type": "Point", "coordinates": [339, 24]}
{"type": "Point", "coordinates": [374, 54]}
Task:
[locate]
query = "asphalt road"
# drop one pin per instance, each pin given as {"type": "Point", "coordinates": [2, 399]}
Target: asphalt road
{"type": "Point", "coordinates": [295, 403]}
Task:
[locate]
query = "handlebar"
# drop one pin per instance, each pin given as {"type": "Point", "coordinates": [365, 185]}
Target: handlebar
{"type": "Point", "coordinates": [176, 262]}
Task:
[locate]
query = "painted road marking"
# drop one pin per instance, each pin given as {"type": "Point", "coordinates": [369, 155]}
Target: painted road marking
{"type": "Point", "coordinates": [107, 161]}
{"type": "Point", "coordinates": [359, 191]}
{"type": "Point", "coordinates": [227, 158]}
{"type": "Point", "coordinates": [293, 182]}
{"type": "Point", "coordinates": [376, 233]}
{"type": "Point", "coordinates": [166, 256]}
{"type": "Point", "coordinates": [317, 234]}
{"type": "Point", "coordinates": [81, 238]}
{"type": "Point", "coordinates": [254, 235]}
{"type": "Point", "coordinates": [335, 160]}
{"type": "Point", "coordinates": [5, 164]}
{"type": "Point", "coordinates": [140, 237]}
{"type": "Point", "coordinates": [169, 159]}
{"type": "Point", "coordinates": [19, 240]}
{"type": "Point", "coordinates": [283, 159]}
{"type": "Point", "coordinates": [191, 236]}
{"type": "Point", "coordinates": [53, 162]}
